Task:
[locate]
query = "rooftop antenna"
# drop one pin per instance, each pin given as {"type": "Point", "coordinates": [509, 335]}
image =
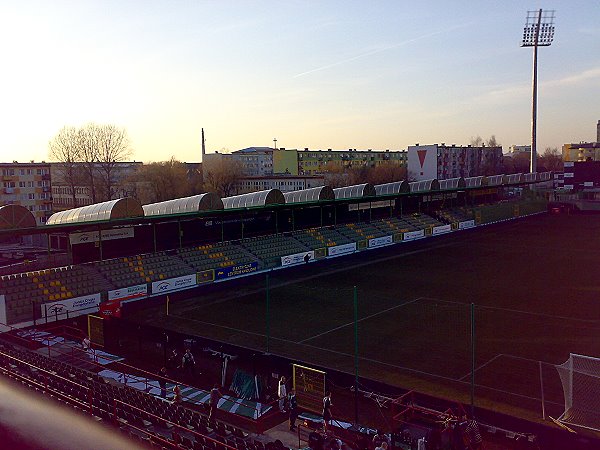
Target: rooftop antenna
{"type": "Point", "coordinates": [538, 31]}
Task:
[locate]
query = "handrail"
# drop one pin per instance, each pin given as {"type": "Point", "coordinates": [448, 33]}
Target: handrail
{"type": "Point", "coordinates": [46, 388]}
{"type": "Point", "coordinates": [47, 374]}
{"type": "Point", "coordinates": [147, 381]}
{"type": "Point", "coordinates": [172, 423]}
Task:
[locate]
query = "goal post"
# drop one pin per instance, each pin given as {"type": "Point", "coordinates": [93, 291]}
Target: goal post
{"type": "Point", "coordinates": [580, 377]}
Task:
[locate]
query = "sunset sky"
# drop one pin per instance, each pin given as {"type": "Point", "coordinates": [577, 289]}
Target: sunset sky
{"type": "Point", "coordinates": [317, 74]}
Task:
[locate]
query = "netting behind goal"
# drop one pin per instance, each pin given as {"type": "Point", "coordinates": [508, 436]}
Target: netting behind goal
{"type": "Point", "coordinates": [580, 376]}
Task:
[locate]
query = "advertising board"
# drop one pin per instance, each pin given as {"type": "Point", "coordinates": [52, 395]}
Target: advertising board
{"type": "Point", "coordinates": [126, 293]}
{"type": "Point", "coordinates": [297, 258]}
{"type": "Point", "coordinates": [236, 271]}
{"type": "Point", "coordinates": [441, 229]}
{"type": "Point", "coordinates": [378, 242]}
{"type": "Point", "coordinates": [410, 235]}
{"type": "Point", "coordinates": [466, 224]}
{"type": "Point", "coordinates": [174, 284]}
{"type": "Point", "coordinates": [342, 249]}
{"type": "Point", "coordinates": [71, 306]}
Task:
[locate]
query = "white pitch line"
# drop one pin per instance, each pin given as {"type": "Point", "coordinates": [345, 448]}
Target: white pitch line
{"type": "Point", "coordinates": [359, 320]}
{"type": "Point", "coordinates": [482, 366]}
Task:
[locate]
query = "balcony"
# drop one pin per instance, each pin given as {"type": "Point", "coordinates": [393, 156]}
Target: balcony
{"type": "Point", "coordinates": [46, 177]}
{"type": "Point", "coordinates": [9, 190]}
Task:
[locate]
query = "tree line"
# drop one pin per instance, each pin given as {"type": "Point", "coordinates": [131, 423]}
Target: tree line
{"type": "Point", "coordinates": [89, 157]}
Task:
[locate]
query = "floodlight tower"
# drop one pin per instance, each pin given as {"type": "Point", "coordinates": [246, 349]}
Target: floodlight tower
{"type": "Point", "coordinates": [538, 31]}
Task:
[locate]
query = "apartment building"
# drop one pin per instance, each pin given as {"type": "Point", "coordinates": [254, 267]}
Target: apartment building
{"type": "Point", "coordinates": [28, 185]}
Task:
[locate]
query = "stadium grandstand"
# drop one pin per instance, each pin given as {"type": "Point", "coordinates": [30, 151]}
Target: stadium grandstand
{"type": "Point", "coordinates": [120, 243]}
{"type": "Point", "coordinates": [121, 253]}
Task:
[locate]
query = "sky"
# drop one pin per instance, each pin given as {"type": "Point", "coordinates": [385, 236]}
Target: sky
{"type": "Point", "coordinates": [317, 74]}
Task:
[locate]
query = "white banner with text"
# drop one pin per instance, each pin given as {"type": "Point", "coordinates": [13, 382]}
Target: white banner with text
{"type": "Point", "coordinates": [107, 235]}
{"type": "Point", "coordinates": [410, 235]}
{"type": "Point", "coordinates": [466, 224]}
{"type": "Point", "coordinates": [71, 307]}
{"type": "Point", "coordinates": [297, 258]}
{"type": "Point", "coordinates": [174, 284]}
{"type": "Point", "coordinates": [378, 242]}
{"type": "Point", "coordinates": [126, 293]}
{"type": "Point", "coordinates": [441, 229]}
{"type": "Point", "coordinates": [342, 249]}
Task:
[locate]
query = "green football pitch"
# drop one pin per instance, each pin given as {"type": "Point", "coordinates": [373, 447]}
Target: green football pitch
{"type": "Point", "coordinates": [525, 289]}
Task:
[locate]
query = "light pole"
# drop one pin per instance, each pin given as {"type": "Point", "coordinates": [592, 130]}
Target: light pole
{"type": "Point", "coordinates": [538, 31]}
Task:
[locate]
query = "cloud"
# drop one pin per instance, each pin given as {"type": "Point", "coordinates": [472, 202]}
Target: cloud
{"type": "Point", "coordinates": [510, 93]}
{"type": "Point", "coordinates": [379, 50]}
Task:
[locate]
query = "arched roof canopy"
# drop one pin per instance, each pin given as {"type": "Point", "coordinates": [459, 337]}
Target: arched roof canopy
{"type": "Point", "coordinates": [514, 178]}
{"type": "Point", "coordinates": [496, 180]}
{"type": "Point", "coordinates": [396, 187]}
{"type": "Point", "coordinates": [202, 202]}
{"type": "Point", "coordinates": [544, 176]}
{"type": "Point", "coordinates": [476, 181]}
{"type": "Point", "coordinates": [16, 216]}
{"type": "Point", "coordinates": [121, 208]}
{"type": "Point", "coordinates": [355, 191]}
{"type": "Point", "coordinates": [425, 185]}
{"type": "Point", "coordinates": [310, 195]}
{"type": "Point", "coordinates": [530, 177]}
{"type": "Point", "coordinates": [260, 198]}
{"type": "Point", "coordinates": [452, 183]}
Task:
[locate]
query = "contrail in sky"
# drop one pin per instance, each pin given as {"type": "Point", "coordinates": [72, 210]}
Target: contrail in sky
{"type": "Point", "coordinates": [379, 50]}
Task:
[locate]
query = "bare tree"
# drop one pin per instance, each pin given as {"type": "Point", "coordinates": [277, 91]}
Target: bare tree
{"type": "Point", "coordinates": [476, 141]}
{"type": "Point", "coordinates": [113, 148]}
{"type": "Point", "coordinates": [491, 142]}
{"type": "Point", "coordinates": [550, 160]}
{"type": "Point", "coordinates": [88, 157]}
{"type": "Point", "coordinates": [222, 176]}
{"type": "Point", "coordinates": [63, 148]}
{"type": "Point", "coordinates": [88, 138]}
{"type": "Point", "coordinates": [163, 181]}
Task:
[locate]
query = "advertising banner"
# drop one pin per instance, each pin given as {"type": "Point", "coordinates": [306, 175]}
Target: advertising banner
{"type": "Point", "coordinates": [173, 284]}
{"type": "Point", "coordinates": [410, 235]}
{"type": "Point", "coordinates": [236, 271]}
{"type": "Point", "coordinates": [378, 242]}
{"type": "Point", "coordinates": [466, 224]}
{"type": "Point", "coordinates": [205, 276]}
{"type": "Point", "coordinates": [297, 258]}
{"type": "Point", "coordinates": [107, 235]}
{"type": "Point", "coordinates": [441, 229]}
{"type": "Point", "coordinates": [111, 308]}
{"type": "Point", "coordinates": [71, 306]}
{"type": "Point", "coordinates": [126, 293]}
{"type": "Point", "coordinates": [342, 249]}
{"type": "Point", "coordinates": [371, 205]}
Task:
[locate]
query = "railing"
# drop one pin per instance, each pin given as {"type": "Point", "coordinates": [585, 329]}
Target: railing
{"type": "Point", "coordinates": [149, 379]}
{"type": "Point", "coordinates": [116, 402]}
{"type": "Point", "coordinates": [47, 388]}
{"type": "Point", "coordinates": [47, 375]}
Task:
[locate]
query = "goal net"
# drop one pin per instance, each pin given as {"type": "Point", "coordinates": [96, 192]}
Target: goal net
{"type": "Point", "coordinates": [580, 376]}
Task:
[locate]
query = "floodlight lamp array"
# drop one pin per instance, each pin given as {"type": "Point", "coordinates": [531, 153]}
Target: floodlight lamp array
{"type": "Point", "coordinates": [545, 32]}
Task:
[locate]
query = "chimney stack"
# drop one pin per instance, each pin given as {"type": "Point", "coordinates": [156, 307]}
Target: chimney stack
{"type": "Point", "coordinates": [203, 145]}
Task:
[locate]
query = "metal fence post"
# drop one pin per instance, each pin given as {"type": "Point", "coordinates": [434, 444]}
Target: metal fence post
{"type": "Point", "coordinates": [542, 389]}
